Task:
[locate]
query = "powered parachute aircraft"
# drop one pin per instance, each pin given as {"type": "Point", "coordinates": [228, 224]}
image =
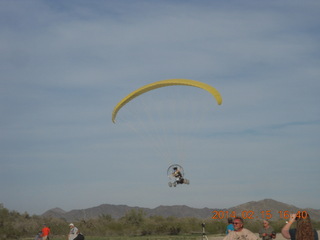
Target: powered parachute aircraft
{"type": "Point", "coordinates": [160, 84]}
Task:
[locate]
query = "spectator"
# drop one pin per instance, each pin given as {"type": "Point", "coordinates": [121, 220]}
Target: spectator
{"type": "Point", "coordinates": [45, 232]}
{"type": "Point", "coordinates": [240, 233]}
{"type": "Point", "coordinates": [303, 230]}
{"type": "Point", "coordinates": [230, 225]}
{"type": "Point", "coordinates": [73, 233]}
{"type": "Point", "coordinates": [38, 236]}
{"type": "Point", "coordinates": [267, 232]}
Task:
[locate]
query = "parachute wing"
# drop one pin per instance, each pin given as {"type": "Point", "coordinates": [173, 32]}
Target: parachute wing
{"type": "Point", "coordinates": [165, 83]}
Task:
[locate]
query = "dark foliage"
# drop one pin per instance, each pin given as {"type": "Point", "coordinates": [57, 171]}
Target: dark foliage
{"type": "Point", "coordinates": [14, 225]}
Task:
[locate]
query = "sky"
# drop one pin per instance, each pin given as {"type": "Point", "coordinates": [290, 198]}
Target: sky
{"type": "Point", "coordinates": [66, 64]}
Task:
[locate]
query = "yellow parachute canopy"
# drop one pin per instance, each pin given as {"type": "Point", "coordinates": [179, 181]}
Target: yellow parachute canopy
{"type": "Point", "coordinates": [165, 83]}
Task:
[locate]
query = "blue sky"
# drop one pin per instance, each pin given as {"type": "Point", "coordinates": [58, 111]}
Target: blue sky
{"type": "Point", "coordinates": [65, 64]}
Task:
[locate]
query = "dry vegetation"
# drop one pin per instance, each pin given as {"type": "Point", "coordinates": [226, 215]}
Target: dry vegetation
{"type": "Point", "coordinates": [134, 225]}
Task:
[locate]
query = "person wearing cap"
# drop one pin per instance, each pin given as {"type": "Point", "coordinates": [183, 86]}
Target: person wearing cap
{"type": "Point", "coordinates": [73, 233]}
{"type": "Point", "coordinates": [45, 232]}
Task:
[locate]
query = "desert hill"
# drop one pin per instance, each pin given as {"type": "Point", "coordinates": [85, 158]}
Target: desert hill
{"type": "Point", "coordinates": [254, 210]}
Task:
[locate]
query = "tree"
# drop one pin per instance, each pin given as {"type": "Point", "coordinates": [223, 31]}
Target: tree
{"type": "Point", "coordinates": [135, 218]}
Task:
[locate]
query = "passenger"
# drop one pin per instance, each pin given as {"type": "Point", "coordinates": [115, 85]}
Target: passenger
{"type": "Point", "coordinates": [178, 175]}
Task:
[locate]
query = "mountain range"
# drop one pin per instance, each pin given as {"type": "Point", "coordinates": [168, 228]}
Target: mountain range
{"type": "Point", "coordinates": [263, 209]}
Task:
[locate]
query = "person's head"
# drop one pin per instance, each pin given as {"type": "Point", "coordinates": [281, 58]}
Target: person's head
{"type": "Point", "coordinates": [230, 220]}
{"type": "Point", "coordinates": [304, 227]}
{"type": "Point", "coordinates": [265, 223]}
{"type": "Point", "coordinates": [237, 224]}
{"type": "Point", "coordinates": [175, 168]}
{"type": "Point", "coordinates": [71, 225]}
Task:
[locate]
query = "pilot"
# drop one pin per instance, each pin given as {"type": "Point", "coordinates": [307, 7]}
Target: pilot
{"type": "Point", "coordinates": [177, 174]}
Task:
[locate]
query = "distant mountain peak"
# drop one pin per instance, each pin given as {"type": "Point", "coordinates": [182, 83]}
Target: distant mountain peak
{"type": "Point", "coordinates": [55, 211]}
{"type": "Point", "coordinates": [118, 211]}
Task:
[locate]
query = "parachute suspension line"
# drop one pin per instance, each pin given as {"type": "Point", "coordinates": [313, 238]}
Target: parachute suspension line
{"type": "Point", "coordinates": [183, 111]}
{"type": "Point", "coordinates": [145, 125]}
{"type": "Point", "coordinates": [157, 129]}
{"type": "Point", "coordinates": [189, 114]}
{"type": "Point", "coordinates": [178, 107]}
{"type": "Point", "coordinates": [193, 112]}
{"type": "Point", "coordinates": [198, 121]}
{"type": "Point", "coordinates": [171, 130]}
{"type": "Point", "coordinates": [168, 124]}
{"type": "Point", "coordinates": [170, 140]}
{"type": "Point", "coordinates": [160, 119]}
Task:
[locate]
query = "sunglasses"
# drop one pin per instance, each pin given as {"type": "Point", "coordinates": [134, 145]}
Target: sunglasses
{"type": "Point", "coordinates": [235, 223]}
